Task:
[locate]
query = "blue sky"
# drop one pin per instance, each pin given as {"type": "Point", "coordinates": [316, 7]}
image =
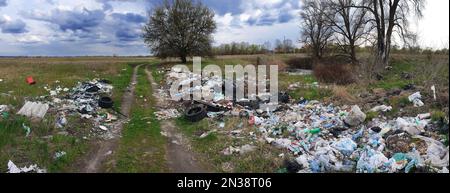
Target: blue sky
{"type": "Point", "coordinates": [107, 27]}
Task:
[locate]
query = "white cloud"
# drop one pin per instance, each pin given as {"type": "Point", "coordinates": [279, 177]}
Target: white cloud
{"type": "Point", "coordinates": [253, 21]}
{"type": "Point", "coordinates": [31, 39]}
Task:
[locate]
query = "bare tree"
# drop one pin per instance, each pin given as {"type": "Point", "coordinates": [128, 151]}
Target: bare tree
{"type": "Point", "coordinates": [180, 28]}
{"type": "Point", "coordinates": [349, 25]}
{"type": "Point", "coordinates": [315, 29]}
{"type": "Point", "coordinates": [390, 18]}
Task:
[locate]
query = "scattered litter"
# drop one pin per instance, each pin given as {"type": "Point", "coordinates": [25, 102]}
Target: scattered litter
{"type": "Point", "coordinates": [4, 108]}
{"type": "Point", "coordinates": [163, 133]}
{"type": "Point", "coordinates": [109, 153]}
{"type": "Point", "coordinates": [34, 110]}
{"type": "Point", "coordinates": [424, 116]}
{"type": "Point", "coordinates": [32, 168]}
{"type": "Point", "coordinates": [355, 117]}
{"type": "Point", "coordinates": [433, 88]}
{"type": "Point", "coordinates": [103, 128]}
{"type": "Point", "coordinates": [59, 154]}
{"type": "Point", "coordinates": [416, 99]}
{"type": "Point", "coordinates": [322, 137]}
{"type": "Point", "coordinates": [300, 72]}
{"type": "Point", "coordinates": [382, 108]}
{"type": "Point", "coordinates": [240, 150]}
{"type": "Point", "coordinates": [411, 126]}
{"type": "Point", "coordinates": [247, 149]}
{"type": "Point", "coordinates": [30, 80]}
{"type": "Point", "coordinates": [437, 153]}
{"type": "Point", "coordinates": [167, 114]}
{"type": "Point", "coordinates": [27, 129]}
{"type": "Point", "coordinates": [347, 146]}
{"type": "Point", "coordinates": [5, 115]}
{"type": "Point", "coordinates": [61, 122]}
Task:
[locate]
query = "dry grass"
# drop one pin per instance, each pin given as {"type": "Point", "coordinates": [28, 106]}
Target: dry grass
{"type": "Point", "coordinates": [341, 74]}
{"type": "Point", "coordinates": [340, 93]}
{"type": "Point", "coordinates": [300, 63]}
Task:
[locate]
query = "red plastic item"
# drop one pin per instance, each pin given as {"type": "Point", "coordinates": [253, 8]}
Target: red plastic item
{"type": "Point", "coordinates": [251, 121]}
{"type": "Point", "coordinates": [30, 80]}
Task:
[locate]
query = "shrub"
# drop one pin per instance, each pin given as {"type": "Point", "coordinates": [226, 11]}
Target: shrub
{"type": "Point", "coordinates": [306, 63]}
{"type": "Point", "coordinates": [271, 61]}
{"type": "Point", "coordinates": [334, 73]}
{"type": "Point", "coordinates": [437, 115]}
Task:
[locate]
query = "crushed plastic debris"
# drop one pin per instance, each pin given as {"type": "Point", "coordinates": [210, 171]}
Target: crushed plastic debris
{"type": "Point", "coordinates": [411, 125]}
{"type": "Point", "coordinates": [355, 117]}
{"type": "Point", "coordinates": [12, 168]}
{"type": "Point", "coordinates": [4, 108]}
{"type": "Point", "coordinates": [416, 99]}
{"type": "Point", "coordinates": [27, 129]}
{"type": "Point", "coordinates": [84, 101]}
{"type": "Point", "coordinates": [322, 137]}
{"type": "Point", "coordinates": [4, 111]}
{"type": "Point", "coordinates": [34, 109]}
{"type": "Point", "coordinates": [104, 128]}
{"type": "Point", "coordinates": [239, 150]}
{"type": "Point", "coordinates": [61, 121]}
{"type": "Point", "coordinates": [382, 108]}
{"type": "Point", "coordinates": [59, 154]}
{"type": "Point", "coordinates": [346, 146]}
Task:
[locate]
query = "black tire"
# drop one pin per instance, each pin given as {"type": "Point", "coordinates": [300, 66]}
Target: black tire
{"type": "Point", "coordinates": [196, 112]}
{"type": "Point", "coordinates": [283, 97]}
{"type": "Point", "coordinates": [106, 103]}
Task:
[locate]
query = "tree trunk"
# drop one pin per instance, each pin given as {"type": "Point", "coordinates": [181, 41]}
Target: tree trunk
{"type": "Point", "coordinates": [353, 52]}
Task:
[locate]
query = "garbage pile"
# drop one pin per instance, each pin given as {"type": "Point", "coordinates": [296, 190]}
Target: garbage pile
{"type": "Point", "coordinates": [90, 100]}
{"type": "Point", "coordinates": [85, 97]}
{"type": "Point", "coordinates": [328, 138]}
{"type": "Point", "coordinates": [12, 168]}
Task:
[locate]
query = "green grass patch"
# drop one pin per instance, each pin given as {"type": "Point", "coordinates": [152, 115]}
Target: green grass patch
{"type": "Point", "coordinates": [45, 140]}
{"type": "Point", "coordinates": [37, 149]}
{"type": "Point", "coordinates": [437, 115]}
{"type": "Point", "coordinates": [311, 93]}
{"type": "Point", "coordinates": [263, 159]}
{"type": "Point", "coordinates": [371, 115]}
{"type": "Point", "coordinates": [142, 148]}
{"type": "Point", "coordinates": [399, 102]}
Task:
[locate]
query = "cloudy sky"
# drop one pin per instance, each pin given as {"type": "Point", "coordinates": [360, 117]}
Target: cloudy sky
{"type": "Point", "coordinates": [107, 27]}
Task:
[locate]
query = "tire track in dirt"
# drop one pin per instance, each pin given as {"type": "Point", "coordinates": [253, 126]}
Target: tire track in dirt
{"type": "Point", "coordinates": [178, 155]}
{"type": "Point", "coordinates": [104, 148]}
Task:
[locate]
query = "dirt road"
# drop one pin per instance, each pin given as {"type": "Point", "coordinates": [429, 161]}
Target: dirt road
{"type": "Point", "coordinates": [102, 149]}
{"type": "Point", "coordinates": [178, 155]}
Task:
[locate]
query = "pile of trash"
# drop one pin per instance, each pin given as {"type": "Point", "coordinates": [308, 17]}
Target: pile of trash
{"type": "Point", "coordinates": [328, 138]}
{"type": "Point", "coordinates": [12, 168]}
{"type": "Point", "coordinates": [90, 100]}
{"type": "Point", "coordinates": [333, 139]}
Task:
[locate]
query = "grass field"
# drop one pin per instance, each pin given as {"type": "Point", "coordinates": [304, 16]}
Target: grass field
{"type": "Point", "coordinates": [142, 147]}
{"type": "Point", "coordinates": [45, 140]}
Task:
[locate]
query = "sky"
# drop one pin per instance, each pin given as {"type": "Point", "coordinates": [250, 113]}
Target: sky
{"type": "Point", "coordinates": [113, 27]}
